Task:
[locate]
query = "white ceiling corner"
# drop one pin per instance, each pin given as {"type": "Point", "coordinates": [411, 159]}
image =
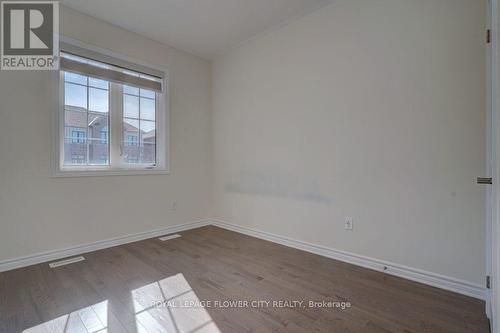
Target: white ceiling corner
{"type": "Point", "coordinates": [206, 28]}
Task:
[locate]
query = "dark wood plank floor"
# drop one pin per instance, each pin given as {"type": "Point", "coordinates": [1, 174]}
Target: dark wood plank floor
{"type": "Point", "coordinates": [152, 286]}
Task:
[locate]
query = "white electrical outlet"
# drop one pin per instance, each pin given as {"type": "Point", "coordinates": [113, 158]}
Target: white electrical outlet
{"type": "Point", "coordinates": [348, 223]}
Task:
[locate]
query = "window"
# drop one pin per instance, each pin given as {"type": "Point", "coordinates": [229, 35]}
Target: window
{"type": "Point", "coordinates": [132, 140]}
{"type": "Point", "coordinates": [79, 136]}
{"type": "Point", "coordinates": [104, 135]}
{"type": "Point", "coordinates": [113, 115]}
{"type": "Point", "coordinates": [75, 134]}
{"type": "Point", "coordinates": [77, 159]}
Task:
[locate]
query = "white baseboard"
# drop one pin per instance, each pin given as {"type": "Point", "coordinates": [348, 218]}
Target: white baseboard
{"type": "Point", "coordinates": [428, 278]}
{"type": "Point", "coordinates": [10, 264]}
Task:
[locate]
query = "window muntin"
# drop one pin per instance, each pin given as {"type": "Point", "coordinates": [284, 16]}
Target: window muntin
{"type": "Point", "coordinates": [104, 104]}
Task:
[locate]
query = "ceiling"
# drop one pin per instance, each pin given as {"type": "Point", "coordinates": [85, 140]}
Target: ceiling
{"type": "Point", "coordinates": [203, 27]}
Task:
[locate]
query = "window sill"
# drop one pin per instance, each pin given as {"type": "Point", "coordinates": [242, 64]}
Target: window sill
{"type": "Point", "coordinates": [74, 173]}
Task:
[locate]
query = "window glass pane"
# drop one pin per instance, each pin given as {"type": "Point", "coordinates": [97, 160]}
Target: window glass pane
{"type": "Point", "coordinates": [98, 100]}
{"type": "Point", "coordinates": [75, 78]}
{"type": "Point", "coordinates": [98, 152]}
{"type": "Point", "coordinates": [76, 134]}
{"type": "Point", "coordinates": [148, 153]}
{"type": "Point", "coordinates": [131, 140]}
{"type": "Point", "coordinates": [97, 83]}
{"type": "Point", "coordinates": [75, 95]}
{"type": "Point", "coordinates": [77, 159]}
{"type": "Point", "coordinates": [130, 106]}
{"type": "Point", "coordinates": [130, 125]}
{"type": "Point", "coordinates": [148, 93]}
{"type": "Point", "coordinates": [75, 118]}
{"type": "Point", "coordinates": [104, 135]}
{"type": "Point", "coordinates": [97, 122]}
{"type": "Point", "coordinates": [148, 109]}
{"type": "Point", "coordinates": [148, 127]}
{"type": "Point", "coordinates": [148, 142]}
{"type": "Point", "coordinates": [139, 137]}
{"type": "Point", "coordinates": [98, 148]}
{"type": "Point", "coordinates": [86, 131]}
{"type": "Point", "coordinates": [75, 146]}
{"type": "Point", "coordinates": [131, 90]}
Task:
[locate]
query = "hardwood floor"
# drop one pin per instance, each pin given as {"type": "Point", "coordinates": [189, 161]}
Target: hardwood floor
{"type": "Point", "coordinates": [153, 286]}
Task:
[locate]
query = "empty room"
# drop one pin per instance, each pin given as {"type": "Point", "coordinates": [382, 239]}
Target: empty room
{"type": "Point", "coordinates": [227, 166]}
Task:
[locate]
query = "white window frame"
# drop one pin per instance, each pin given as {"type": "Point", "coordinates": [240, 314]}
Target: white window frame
{"type": "Point", "coordinates": [118, 167]}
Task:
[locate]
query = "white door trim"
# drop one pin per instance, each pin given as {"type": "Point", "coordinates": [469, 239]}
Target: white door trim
{"type": "Point", "coordinates": [489, 161]}
{"type": "Point", "coordinates": [493, 250]}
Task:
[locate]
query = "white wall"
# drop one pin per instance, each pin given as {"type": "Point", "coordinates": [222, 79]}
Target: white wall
{"type": "Point", "coordinates": [370, 109]}
{"type": "Point", "coordinates": [40, 213]}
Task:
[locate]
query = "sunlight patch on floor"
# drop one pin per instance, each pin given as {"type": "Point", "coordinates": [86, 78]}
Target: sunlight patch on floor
{"type": "Point", "coordinates": [170, 305]}
{"type": "Point", "coordinates": [92, 319]}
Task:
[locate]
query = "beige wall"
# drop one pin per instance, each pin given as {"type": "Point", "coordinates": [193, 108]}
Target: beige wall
{"type": "Point", "coordinates": [40, 213]}
{"type": "Point", "coordinates": [370, 109]}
